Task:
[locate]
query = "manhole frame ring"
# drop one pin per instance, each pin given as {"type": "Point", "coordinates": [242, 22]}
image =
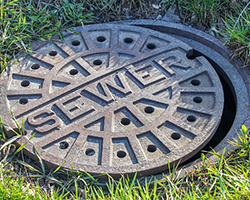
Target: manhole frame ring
{"type": "Point", "coordinates": [241, 75]}
{"type": "Point", "coordinates": [241, 118]}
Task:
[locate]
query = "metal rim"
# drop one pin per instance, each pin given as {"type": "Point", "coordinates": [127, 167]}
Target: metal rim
{"type": "Point", "coordinates": [236, 77]}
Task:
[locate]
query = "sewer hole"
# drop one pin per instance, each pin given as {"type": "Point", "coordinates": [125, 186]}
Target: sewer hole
{"type": "Point", "coordinates": [101, 39]}
{"type": "Point", "coordinates": [191, 118]}
{"type": "Point", "coordinates": [195, 82]}
{"type": "Point", "coordinates": [192, 54]}
{"type": "Point", "coordinates": [53, 53]}
{"type": "Point", "coordinates": [23, 101]}
{"type": "Point", "coordinates": [149, 109]}
{"type": "Point", "coordinates": [25, 83]}
{"type": "Point", "coordinates": [151, 148]}
{"type": "Point", "coordinates": [35, 66]}
{"type": "Point", "coordinates": [151, 46]}
{"type": "Point", "coordinates": [128, 40]}
{"type": "Point", "coordinates": [76, 43]}
{"type": "Point", "coordinates": [197, 99]}
{"type": "Point", "coordinates": [64, 145]}
{"type": "Point", "coordinates": [176, 136]}
{"type": "Point", "coordinates": [97, 62]}
{"type": "Point", "coordinates": [73, 72]}
{"type": "Point", "coordinates": [121, 154]}
{"type": "Point", "coordinates": [90, 152]}
{"type": "Point", "coordinates": [125, 121]}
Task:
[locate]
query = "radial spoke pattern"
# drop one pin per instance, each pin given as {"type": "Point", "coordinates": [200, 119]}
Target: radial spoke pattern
{"type": "Point", "coordinates": [114, 99]}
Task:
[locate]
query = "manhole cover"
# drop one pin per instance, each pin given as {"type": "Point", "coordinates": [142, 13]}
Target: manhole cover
{"type": "Point", "coordinates": [113, 99]}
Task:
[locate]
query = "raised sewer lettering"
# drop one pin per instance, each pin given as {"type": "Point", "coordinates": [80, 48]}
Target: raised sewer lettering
{"type": "Point", "coordinates": [74, 106]}
{"type": "Point", "coordinates": [169, 62]}
{"type": "Point", "coordinates": [146, 74]}
{"type": "Point", "coordinates": [45, 121]}
{"type": "Point", "coordinates": [151, 72]}
{"type": "Point", "coordinates": [107, 89]}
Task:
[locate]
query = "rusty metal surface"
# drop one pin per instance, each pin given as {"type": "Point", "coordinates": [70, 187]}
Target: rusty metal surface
{"type": "Point", "coordinates": [113, 99]}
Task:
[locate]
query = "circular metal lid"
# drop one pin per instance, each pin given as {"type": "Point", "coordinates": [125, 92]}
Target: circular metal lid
{"type": "Point", "coordinates": [113, 99]}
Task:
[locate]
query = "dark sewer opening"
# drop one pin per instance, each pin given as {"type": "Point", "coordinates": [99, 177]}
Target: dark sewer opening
{"type": "Point", "coordinates": [228, 114]}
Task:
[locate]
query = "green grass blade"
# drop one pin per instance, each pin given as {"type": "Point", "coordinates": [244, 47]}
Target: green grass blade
{"type": "Point", "coordinates": [59, 167]}
{"type": "Point", "coordinates": [20, 148]}
{"type": "Point", "coordinates": [13, 116]}
{"type": "Point", "coordinates": [11, 140]}
{"type": "Point", "coordinates": [28, 166]}
{"type": "Point", "coordinates": [23, 128]}
{"type": "Point", "coordinates": [33, 135]}
{"type": "Point", "coordinates": [40, 160]}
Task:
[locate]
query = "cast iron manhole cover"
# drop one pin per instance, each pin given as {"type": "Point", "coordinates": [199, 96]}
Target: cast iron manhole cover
{"type": "Point", "coordinates": [113, 99]}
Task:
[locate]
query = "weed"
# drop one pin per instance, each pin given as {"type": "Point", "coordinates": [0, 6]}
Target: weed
{"type": "Point", "coordinates": [110, 10]}
{"type": "Point", "coordinates": [230, 18]}
{"type": "Point", "coordinates": [228, 178]}
{"type": "Point", "coordinates": [22, 22]}
{"type": "Point", "coordinates": [206, 12]}
{"type": "Point", "coordinates": [238, 34]}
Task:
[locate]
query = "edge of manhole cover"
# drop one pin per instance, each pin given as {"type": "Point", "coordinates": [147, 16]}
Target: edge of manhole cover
{"type": "Point", "coordinates": [236, 77]}
{"type": "Point", "coordinates": [113, 99]}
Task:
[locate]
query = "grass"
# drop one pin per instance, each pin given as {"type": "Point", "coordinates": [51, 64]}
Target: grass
{"type": "Point", "coordinates": [206, 12]}
{"type": "Point", "coordinates": [229, 178]}
{"type": "Point", "coordinates": [238, 34]}
{"type": "Point", "coordinates": [22, 22]}
{"type": "Point", "coordinates": [229, 18]}
{"type": "Point", "coordinates": [14, 186]}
